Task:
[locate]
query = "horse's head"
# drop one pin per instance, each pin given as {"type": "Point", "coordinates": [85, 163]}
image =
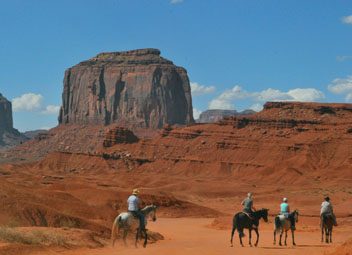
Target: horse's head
{"type": "Point", "coordinates": [264, 214]}
{"type": "Point", "coordinates": [295, 215]}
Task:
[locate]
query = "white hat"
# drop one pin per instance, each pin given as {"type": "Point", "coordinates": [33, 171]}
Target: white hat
{"type": "Point", "coordinates": [284, 199]}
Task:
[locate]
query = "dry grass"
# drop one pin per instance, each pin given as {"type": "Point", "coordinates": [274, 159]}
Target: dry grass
{"type": "Point", "coordinates": [35, 237]}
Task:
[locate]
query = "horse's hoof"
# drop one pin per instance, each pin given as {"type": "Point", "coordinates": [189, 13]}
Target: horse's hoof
{"type": "Point", "coordinates": [256, 245]}
{"type": "Point", "coordinates": [231, 245]}
{"type": "Point", "coordinates": [294, 244]}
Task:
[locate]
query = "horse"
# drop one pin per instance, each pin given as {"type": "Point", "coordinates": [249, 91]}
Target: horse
{"type": "Point", "coordinates": [128, 222]}
{"type": "Point", "coordinates": [327, 223]}
{"type": "Point", "coordinates": [242, 220]}
{"type": "Point", "coordinates": [283, 224]}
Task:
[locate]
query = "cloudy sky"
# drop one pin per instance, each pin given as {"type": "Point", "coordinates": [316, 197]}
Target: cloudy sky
{"type": "Point", "coordinates": [239, 54]}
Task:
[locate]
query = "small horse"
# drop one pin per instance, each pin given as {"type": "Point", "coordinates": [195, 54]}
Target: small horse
{"type": "Point", "coordinates": [283, 224]}
{"type": "Point", "coordinates": [242, 220]}
{"type": "Point", "coordinates": [128, 222]}
{"type": "Point", "coordinates": [327, 223]}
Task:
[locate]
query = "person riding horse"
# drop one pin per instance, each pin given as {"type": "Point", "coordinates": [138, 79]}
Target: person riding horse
{"type": "Point", "coordinates": [285, 210]}
{"type": "Point", "coordinates": [248, 207]}
{"type": "Point", "coordinates": [134, 207]}
{"type": "Point", "coordinates": [326, 209]}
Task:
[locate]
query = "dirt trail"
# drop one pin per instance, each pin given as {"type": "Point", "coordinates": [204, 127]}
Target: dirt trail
{"type": "Point", "coordinates": [193, 236]}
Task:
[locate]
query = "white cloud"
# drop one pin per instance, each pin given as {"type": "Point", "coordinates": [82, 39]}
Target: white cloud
{"type": "Point", "coordinates": [176, 1]}
{"type": "Point", "coordinates": [51, 110]}
{"type": "Point", "coordinates": [256, 107]}
{"type": "Point", "coordinates": [270, 95]}
{"type": "Point", "coordinates": [27, 102]}
{"type": "Point", "coordinates": [342, 86]}
{"type": "Point", "coordinates": [198, 89]}
{"type": "Point", "coordinates": [226, 99]}
{"type": "Point", "coordinates": [347, 20]}
{"type": "Point", "coordinates": [306, 95]}
{"type": "Point", "coordinates": [196, 113]}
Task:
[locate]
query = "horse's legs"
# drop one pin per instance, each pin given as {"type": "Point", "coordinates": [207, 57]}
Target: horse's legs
{"type": "Point", "coordinates": [137, 236]}
{"type": "Point", "coordinates": [327, 235]}
{"type": "Point", "coordinates": [250, 237]}
{"type": "Point", "coordinates": [232, 232]}
{"type": "Point", "coordinates": [293, 237]}
{"type": "Point", "coordinates": [145, 238]}
{"type": "Point", "coordinates": [274, 236]}
{"type": "Point", "coordinates": [240, 234]}
{"type": "Point", "coordinates": [125, 232]}
{"type": "Point", "coordinates": [282, 231]}
{"type": "Point", "coordinates": [331, 234]}
{"type": "Point", "coordinates": [285, 238]}
{"type": "Point", "coordinates": [322, 234]}
{"type": "Point", "coordinates": [257, 232]}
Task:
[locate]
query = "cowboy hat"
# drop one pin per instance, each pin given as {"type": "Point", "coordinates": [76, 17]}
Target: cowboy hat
{"type": "Point", "coordinates": [135, 191]}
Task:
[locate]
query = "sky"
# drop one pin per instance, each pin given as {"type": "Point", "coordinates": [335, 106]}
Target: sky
{"type": "Point", "coordinates": [238, 53]}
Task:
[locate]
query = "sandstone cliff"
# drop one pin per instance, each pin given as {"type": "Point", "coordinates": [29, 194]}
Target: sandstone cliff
{"type": "Point", "coordinates": [8, 135]}
{"type": "Point", "coordinates": [211, 116]}
{"type": "Point", "coordinates": [135, 88]}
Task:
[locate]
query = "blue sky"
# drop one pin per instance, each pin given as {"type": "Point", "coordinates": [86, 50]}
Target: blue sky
{"type": "Point", "coordinates": [238, 53]}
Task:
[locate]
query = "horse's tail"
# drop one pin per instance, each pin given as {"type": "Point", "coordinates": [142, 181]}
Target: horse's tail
{"type": "Point", "coordinates": [277, 224]}
{"type": "Point", "coordinates": [113, 229]}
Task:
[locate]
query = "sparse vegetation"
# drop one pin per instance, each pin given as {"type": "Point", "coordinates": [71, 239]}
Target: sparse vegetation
{"type": "Point", "coordinates": [35, 237]}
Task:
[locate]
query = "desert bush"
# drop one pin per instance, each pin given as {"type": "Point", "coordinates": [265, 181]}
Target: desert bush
{"type": "Point", "coordinates": [35, 237]}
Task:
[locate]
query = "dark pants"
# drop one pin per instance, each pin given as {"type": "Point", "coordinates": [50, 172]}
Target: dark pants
{"type": "Point", "coordinates": [292, 220]}
{"type": "Point", "coordinates": [138, 214]}
{"type": "Point", "coordinates": [249, 211]}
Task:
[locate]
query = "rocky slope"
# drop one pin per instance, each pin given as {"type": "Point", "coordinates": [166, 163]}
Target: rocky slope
{"type": "Point", "coordinates": [211, 116]}
{"type": "Point", "coordinates": [8, 135]}
{"type": "Point", "coordinates": [135, 88]}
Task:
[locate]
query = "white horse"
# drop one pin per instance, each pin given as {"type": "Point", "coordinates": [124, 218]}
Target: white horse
{"type": "Point", "coordinates": [128, 223]}
{"type": "Point", "coordinates": [283, 224]}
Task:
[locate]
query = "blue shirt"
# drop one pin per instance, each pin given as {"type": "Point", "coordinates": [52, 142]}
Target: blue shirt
{"type": "Point", "coordinates": [133, 203]}
{"type": "Point", "coordinates": [284, 208]}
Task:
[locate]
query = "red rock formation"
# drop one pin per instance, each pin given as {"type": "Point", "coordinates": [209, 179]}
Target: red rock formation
{"type": "Point", "coordinates": [135, 88]}
{"type": "Point", "coordinates": [211, 116]}
{"type": "Point", "coordinates": [119, 135]}
{"type": "Point", "coordinates": [8, 135]}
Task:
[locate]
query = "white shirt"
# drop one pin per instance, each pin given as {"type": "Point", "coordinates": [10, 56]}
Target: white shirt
{"type": "Point", "coordinates": [326, 207]}
{"type": "Point", "coordinates": [133, 203]}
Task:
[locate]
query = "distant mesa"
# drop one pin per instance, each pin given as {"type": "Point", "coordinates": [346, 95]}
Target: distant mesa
{"type": "Point", "coordinates": [212, 116]}
{"type": "Point", "coordinates": [136, 89]}
{"type": "Point", "coordinates": [8, 135]}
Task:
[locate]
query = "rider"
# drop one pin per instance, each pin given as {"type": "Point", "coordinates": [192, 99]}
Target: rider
{"type": "Point", "coordinates": [326, 208]}
{"type": "Point", "coordinates": [248, 207]}
{"type": "Point", "coordinates": [285, 210]}
{"type": "Point", "coordinates": [134, 204]}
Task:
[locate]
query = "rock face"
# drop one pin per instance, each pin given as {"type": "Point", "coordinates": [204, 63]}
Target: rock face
{"type": "Point", "coordinates": [119, 135]}
{"type": "Point", "coordinates": [6, 122]}
{"type": "Point", "coordinates": [135, 88]}
{"type": "Point", "coordinates": [8, 135]}
{"type": "Point", "coordinates": [211, 116]}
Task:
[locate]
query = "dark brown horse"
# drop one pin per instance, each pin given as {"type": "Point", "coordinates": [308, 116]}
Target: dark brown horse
{"type": "Point", "coordinates": [241, 221]}
{"type": "Point", "coordinates": [327, 224]}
